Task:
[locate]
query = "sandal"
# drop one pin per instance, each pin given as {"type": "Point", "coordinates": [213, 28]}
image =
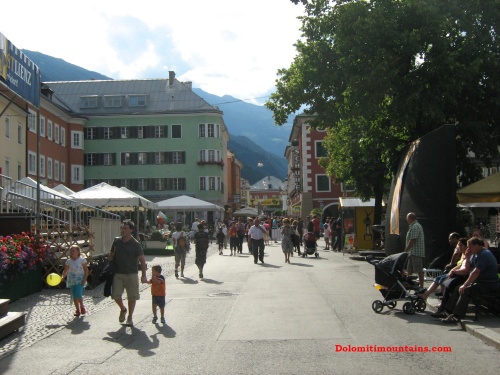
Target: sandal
{"type": "Point", "coordinates": [451, 319]}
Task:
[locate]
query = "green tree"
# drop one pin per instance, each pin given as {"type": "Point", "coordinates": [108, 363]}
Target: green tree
{"type": "Point", "coordinates": [380, 74]}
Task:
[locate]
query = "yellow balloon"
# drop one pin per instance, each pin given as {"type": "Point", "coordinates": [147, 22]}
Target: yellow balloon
{"type": "Point", "coordinates": [53, 279]}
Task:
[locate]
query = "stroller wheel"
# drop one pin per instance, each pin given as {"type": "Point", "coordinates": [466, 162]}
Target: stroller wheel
{"type": "Point", "coordinates": [408, 308]}
{"type": "Point", "coordinates": [392, 305]}
{"type": "Point", "coordinates": [377, 306]}
{"type": "Point", "coordinates": [419, 304]}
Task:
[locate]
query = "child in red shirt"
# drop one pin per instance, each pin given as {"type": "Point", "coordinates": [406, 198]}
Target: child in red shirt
{"type": "Point", "coordinates": [157, 282]}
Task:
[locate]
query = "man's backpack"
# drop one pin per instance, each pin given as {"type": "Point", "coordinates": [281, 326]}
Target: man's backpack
{"type": "Point", "coordinates": [181, 241]}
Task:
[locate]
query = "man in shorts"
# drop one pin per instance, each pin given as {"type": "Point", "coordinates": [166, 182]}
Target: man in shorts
{"type": "Point", "coordinates": [415, 245]}
{"type": "Point", "coordinates": [125, 255]}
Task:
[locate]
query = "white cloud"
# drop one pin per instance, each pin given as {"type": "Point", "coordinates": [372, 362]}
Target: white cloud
{"type": "Point", "coordinates": [224, 46]}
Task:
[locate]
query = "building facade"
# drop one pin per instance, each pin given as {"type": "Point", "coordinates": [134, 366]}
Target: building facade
{"type": "Point", "coordinates": [309, 186]}
{"type": "Point", "coordinates": [155, 137]}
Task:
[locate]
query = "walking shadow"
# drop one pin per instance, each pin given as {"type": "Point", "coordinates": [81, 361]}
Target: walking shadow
{"type": "Point", "coordinates": [300, 264]}
{"type": "Point", "coordinates": [211, 281]}
{"type": "Point", "coordinates": [166, 330]}
{"type": "Point", "coordinates": [269, 265]}
{"type": "Point", "coordinates": [137, 340]}
{"type": "Point", "coordinates": [187, 280]}
{"type": "Point", "coordinates": [77, 326]}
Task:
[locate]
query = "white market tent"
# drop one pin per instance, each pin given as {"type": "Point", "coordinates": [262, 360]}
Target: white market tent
{"type": "Point", "coordinates": [63, 189]}
{"type": "Point", "coordinates": [186, 203]}
{"type": "Point", "coordinates": [112, 198]}
{"type": "Point", "coordinates": [27, 187]}
{"type": "Point", "coordinates": [247, 211]}
{"type": "Point", "coordinates": [356, 202]}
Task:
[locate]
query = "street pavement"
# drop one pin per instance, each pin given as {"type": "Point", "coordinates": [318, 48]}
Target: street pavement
{"type": "Point", "coordinates": [306, 317]}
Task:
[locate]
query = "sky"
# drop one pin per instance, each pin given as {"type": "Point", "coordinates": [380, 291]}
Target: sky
{"type": "Point", "coordinates": [225, 47]}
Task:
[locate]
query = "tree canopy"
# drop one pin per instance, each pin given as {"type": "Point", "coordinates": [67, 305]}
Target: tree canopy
{"type": "Point", "coordinates": [378, 74]}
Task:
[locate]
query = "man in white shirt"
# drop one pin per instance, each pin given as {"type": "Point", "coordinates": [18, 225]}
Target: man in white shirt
{"type": "Point", "coordinates": [194, 229]}
{"type": "Point", "coordinates": [256, 240]}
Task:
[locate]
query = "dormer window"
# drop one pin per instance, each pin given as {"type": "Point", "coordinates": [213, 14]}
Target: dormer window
{"type": "Point", "coordinates": [137, 100]}
{"type": "Point", "coordinates": [112, 101]}
{"type": "Point", "coordinates": [89, 101]}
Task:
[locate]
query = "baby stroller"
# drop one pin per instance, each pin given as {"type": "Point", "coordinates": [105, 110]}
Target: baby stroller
{"type": "Point", "coordinates": [310, 246]}
{"type": "Point", "coordinates": [394, 286]}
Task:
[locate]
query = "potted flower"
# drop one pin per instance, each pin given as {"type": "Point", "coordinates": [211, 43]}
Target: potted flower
{"type": "Point", "coordinates": [21, 259]}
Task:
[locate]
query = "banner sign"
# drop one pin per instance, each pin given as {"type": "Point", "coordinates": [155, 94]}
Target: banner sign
{"type": "Point", "coordinates": [19, 73]}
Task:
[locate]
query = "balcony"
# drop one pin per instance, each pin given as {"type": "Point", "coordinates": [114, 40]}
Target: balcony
{"type": "Point", "coordinates": [211, 162]}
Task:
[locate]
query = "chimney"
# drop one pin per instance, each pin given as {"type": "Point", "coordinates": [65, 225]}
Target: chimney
{"type": "Point", "coordinates": [171, 77]}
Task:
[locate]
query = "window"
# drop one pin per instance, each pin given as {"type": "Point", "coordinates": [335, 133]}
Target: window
{"type": "Point", "coordinates": [63, 136]}
{"type": "Point", "coordinates": [322, 183]}
{"type": "Point", "coordinates": [42, 166]}
{"type": "Point", "coordinates": [56, 170]}
{"type": "Point", "coordinates": [88, 101]}
{"type": "Point", "coordinates": [108, 133]}
{"type": "Point", "coordinates": [90, 159]}
{"type": "Point", "coordinates": [159, 184]}
{"type": "Point", "coordinates": [137, 101]}
{"type": "Point", "coordinates": [159, 158]}
{"type": "Point", "coordinates": [176, 131]}
{"type": "Point", "coordinates": [211, 130]}
{"type": "Point", "coordinates": [108, 159]}
{"type": "Point", "coordinates": [211, 183]}
{"type": "Point", "coordinates": [7, 127]}
{"type": "Point", "coordinates": [42, 126]}
{"type": "Point", "coordinates": [125, 132]}
{"type": "Point", "coordinates": [56, 133]}
{"type": "Point", "coordinates": [63, 172]}
{"type": "Point", "coordinates": [202, 155]}
{"type": "Point", "coordinates": [217, 134]}
{"type": "Point", "coordinates": [201, 130]}
{"type": "Point", "coordinates": [178, 184]}
{"type": "Point", "coordinates": [203, 183]}
{"type": "Point", "coordinates": [49, 168]}
{"type": "Point", "coordinates": [140, 132]}
{"type": "Point", "coordinates": [125, 183]}
{"type": "Point", "coordinates": [347, 187]}
{"type": "Point", "coordinates": [320, 150]}
{"type": "Point", "coordinates": [90, 133]}
{"type": "Point", "coordinates": [77, 139]}
{"type": "Point", "coordinates": [112, 101]}
{"type": "Point", "coordinates": [7, 168]}
{"type": "Point", "coordinates": [31, 162]}
{"type": "Point", "coordinates": [158, 131]}
{"type": "Point", "coordinates": [211, 155]}
{"type": "Point", "coordinates": [49, 129]}
{"type": "Point", "coordinates": [142, 184]}
{"type": "Point", "coordinates": [125, 158]}
{"type": "Point", "coordinates": [177, 157]}
{"type": "Point", "coordinates": [19, 134]}
{"type": "Point", "coordinates": [76, 174]}
{"type": "Point", "coordinates": [19, 171]}
{"type": "Point", "coordinates": [32, 121]}
{"type": "Point", "coordinates": [142, 158]}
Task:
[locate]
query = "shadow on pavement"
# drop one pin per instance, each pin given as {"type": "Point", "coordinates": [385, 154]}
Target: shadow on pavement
{"type": "Point", "coordinates": [78, 326]}
{"type": "Point", "coordinates": [211, 281]}
{"type": "Point", "coordinates": [187, 280]}
{"type": "Point", "coordinates": [300, 264]}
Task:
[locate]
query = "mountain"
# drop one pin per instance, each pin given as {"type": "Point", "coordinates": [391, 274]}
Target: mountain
{"type": "Point", "coordinates": [253, 136]}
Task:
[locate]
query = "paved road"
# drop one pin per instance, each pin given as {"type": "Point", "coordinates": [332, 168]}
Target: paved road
{"type": "Point", "coordinates": [243, 318]}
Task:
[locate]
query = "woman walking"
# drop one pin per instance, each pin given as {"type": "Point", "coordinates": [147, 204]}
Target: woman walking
{"type": "Point", "coordinates": [286, 241]}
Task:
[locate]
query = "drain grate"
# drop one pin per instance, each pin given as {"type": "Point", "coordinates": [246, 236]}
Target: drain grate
{"type": "Point", "coordinates": [223, 294]}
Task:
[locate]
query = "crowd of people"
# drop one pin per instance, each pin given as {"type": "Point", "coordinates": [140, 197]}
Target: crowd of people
{"type": "Point", "coordinates": [472, 270]}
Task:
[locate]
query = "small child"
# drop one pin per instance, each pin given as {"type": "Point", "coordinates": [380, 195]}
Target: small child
{"type": "Point", "coordinates": [158, 292]}
{"type": "Point", "coordinates": [220, 239]}
{"type": "Point", "coordinates": [77, 272]}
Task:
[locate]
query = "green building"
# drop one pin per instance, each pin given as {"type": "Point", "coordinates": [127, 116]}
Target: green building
{"type": "Point", "coordinates": [154, 136]}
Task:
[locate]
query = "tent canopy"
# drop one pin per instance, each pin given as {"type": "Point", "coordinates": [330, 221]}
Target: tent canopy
{"type": "Point", "coordinates": [63, 189]}
{"type": "Point", "coordinates": [27, 186]}
{"type": "Point", "coordinates": [247, 211]}
{"type": "Point", "coordinates": [112, 197]}
{"type": "Point", "coordinates": [184, 202]}
{"type": "Point", "coordinates": [486, 190]}
{"type": "Point", "coordinates": [356, 202]}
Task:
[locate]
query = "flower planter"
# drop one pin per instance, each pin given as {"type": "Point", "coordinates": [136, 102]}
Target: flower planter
{"type": "Point", "coordinates": [19, 285]}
